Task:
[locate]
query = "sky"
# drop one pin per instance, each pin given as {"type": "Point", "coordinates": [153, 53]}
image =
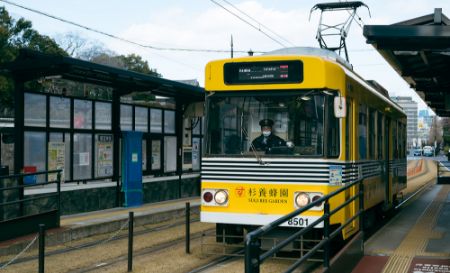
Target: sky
{"type": "Point", "coordinates": [202, 24]}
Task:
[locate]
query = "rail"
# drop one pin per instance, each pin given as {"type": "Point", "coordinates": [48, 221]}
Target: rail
{"type": "Point", "coordinates": [253, 256]}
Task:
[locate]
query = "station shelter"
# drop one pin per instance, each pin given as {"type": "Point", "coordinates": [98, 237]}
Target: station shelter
{"type": "Point", "coordinates": [419, 51]}
{"type": "Point", "coordinates": [73, 115]}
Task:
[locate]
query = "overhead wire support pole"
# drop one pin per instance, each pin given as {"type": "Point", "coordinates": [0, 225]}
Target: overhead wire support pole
{"type": "Point", "coordinates": [339, 31]}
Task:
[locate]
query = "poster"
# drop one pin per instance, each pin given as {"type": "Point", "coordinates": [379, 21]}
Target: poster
{"type": "Point", "coordinates": [104, 155]}
{"type": "Point", "coordinates": [56, 159]}
{"type": "Point", "coordinates": [196, 154]}
{"type": "Point", "coordinates": [156, 155]}
{"type": "Point", "coordinates": [84, 159]}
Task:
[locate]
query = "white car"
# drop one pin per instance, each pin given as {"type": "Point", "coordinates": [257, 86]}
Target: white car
{"type": "Point", "coordinates": [428, 151]}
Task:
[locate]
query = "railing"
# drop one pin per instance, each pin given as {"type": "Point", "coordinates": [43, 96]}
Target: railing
{"type": "Point", "coordinates": [25, 221]}
{"type": "Point", "coordinates": [253, 256]}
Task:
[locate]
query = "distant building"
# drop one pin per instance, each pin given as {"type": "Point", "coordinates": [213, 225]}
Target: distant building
{"type": "Point", "coordinates": [410, 108]}
{"type": "Point", "coordinates": [425, 122]}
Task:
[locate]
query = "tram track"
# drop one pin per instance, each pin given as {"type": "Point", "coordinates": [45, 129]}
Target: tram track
{"type": "Point", "coordinates": [68, 249]}
{"type": "Point", "coordinates": [138, 253]}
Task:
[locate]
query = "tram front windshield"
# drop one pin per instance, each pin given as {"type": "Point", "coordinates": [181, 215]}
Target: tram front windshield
{"type": "Point", "coordinates": [297, 121]}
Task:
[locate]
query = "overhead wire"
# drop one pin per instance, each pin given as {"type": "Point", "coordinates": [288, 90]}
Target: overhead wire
{"type": "Point", "coordinates": [259, 23]}
{"type": "Point", "coordinates": [248, 23]}
{"type": "Point", "coordinates": [202, 50]}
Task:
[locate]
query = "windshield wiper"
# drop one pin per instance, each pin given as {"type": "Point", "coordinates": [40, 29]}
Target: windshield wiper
{"type": "Point", "coordinates": [252, 147]}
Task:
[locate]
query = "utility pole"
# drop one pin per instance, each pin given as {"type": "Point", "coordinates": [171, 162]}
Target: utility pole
{"type": "Point", "coordinates": [231, 46]}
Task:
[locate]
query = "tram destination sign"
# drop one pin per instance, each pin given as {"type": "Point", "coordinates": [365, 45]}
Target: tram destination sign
{"type": "Point", "coordinates": [263, 72]}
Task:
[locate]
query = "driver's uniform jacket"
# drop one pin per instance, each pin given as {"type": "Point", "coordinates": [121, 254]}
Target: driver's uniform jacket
{"type": "Point", "coordinates": [263, 143]}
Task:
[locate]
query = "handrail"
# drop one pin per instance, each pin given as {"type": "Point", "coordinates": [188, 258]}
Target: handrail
{"type": "Point", "coordinates": [28, 174]}
{"type": "Point", "coordinates": [28, 185]}
{"type": "Point", "coordinates": [253, 259]}
{"type": "Point", "coordinates": [21, 200]}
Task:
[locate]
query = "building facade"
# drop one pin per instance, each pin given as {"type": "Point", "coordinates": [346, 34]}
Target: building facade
{"type": "Point", "coordinates": [410, 108]}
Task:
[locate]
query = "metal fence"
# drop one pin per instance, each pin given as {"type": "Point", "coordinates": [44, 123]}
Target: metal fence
{"type": "Point", "coordinates": [253, 256]}
{"type": "Point", "coordinates": [21, 214]}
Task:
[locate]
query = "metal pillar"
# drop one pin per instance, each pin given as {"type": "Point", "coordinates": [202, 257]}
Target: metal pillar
{"type": "Point", "coordinates": [19, 99]}
{"type": "Point", "coordinates": [179, 133]}
{"type": "Point", "coordinates": [115, 126]}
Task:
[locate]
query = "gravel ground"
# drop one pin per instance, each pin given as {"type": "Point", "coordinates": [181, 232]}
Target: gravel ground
{"type": "Point", "coordinates": [95, 255]}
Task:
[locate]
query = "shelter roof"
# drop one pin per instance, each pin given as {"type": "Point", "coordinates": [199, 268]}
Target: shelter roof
{"type": "Point", "coordinates": [419, 50]}
{"type": "Point", "coordinates": [30, 65]}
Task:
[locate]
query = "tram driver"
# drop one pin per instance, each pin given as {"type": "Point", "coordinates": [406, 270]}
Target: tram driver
{"type": "Point", "coordinates": [267, 140]}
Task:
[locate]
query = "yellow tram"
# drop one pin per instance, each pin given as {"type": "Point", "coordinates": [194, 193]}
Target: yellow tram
{"type": "Point", "coordinates": [328, 127]}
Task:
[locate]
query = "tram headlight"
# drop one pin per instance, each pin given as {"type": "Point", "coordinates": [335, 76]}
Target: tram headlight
{"type": "Point", "coordinates": [302, 199]}
{"type": "Point", "coordinates": [221, 197]}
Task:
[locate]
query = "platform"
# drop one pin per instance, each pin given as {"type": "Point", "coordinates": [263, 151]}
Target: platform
{"type": "Point", "coordinates": [83, 225]}
{"type": "Point", "coordinates": [415, 240]}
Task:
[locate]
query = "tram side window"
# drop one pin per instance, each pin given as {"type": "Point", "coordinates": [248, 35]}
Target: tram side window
{"type": "Point", "coordinates": [395, 137]}
{"type": "Point", "coordinates": [380, 136]}
{"type": "Point", "coordinates": [372, 133]}
{"type": "Point", "coordinates": [362, 131]}
{"type": "Point", "coordinates": [332, 131]}
{"type": "Point", "coordinates": [402, 140]}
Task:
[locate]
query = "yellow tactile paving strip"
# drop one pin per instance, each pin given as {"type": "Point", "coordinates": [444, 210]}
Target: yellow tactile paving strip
{"type": "Point", "coordinates": [124, 211]}
{"type": "Point", "coordinates": [415, 242]}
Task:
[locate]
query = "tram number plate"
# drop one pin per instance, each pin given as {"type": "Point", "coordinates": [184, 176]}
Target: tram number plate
{"type": "Point", "coordinates": [298, 222]}
{"type": "Point", "coordinates": [302, 222]}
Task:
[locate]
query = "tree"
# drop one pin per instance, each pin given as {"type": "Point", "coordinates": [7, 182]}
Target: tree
{"type": "Point", "coordinates": [130, 62]}
{"type": "Point", "coordinates": [14, 35]}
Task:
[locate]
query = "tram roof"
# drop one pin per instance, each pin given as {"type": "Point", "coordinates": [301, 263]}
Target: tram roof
{"type": "Point", "coordinates": [419, 50]}
{"type": "Point", "coordinates": [30, 65]}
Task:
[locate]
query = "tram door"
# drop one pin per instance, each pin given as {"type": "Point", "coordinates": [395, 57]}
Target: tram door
{"type": "Point", "coordinates": [387, 134]}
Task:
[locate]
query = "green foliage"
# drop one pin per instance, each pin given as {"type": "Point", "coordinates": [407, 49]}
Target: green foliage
{"type": "Point", "coordinates": [135, 63]}
{"type": "Point", "coordinates": [14, 35]}
{"type": "Point", "coordinates": [130, 62]}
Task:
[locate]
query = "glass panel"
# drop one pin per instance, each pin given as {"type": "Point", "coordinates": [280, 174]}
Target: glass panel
{"type": "Point", "coordinates": [82, 114]}
{"type": "Point", "coordinates": [7, 150]}
{"type": "Point", "coordinates": [103, 115]}
{"type": "Point", "coordinates": [35, 110]}
{"type": "Point", "coordinates": [103, 155]}
{"type": "Point", "coordinates": [35, 146]}
{"type": "Point", "coordinates": [196, 153]}
{"type": "Point", "coordinates": [155, 120]}
{"type": "Point", "coordinates": [170, 154]}
{"type": "Point", "coordinates": [287, 124]}
{"type": "Point", "coordinates": [196, 124]}
{"type": "Point", "coordinates": [140, 119]}
{"type": "Point", "coordinates": [372, 133]}
{"type": "Point", "coordinates": [169, 122]}
{"type": "Point", "coordinates": [333, 130]}
{"type": "Point", "coordinates": [156, 154]}
{"type": "Point", "coordinates": [82, 149]}
{"type": "Point", "coordinates": [59, 112]}
{"type": "Point", "coordinates": [55, 137]}
{"type": "Point", "coordinates": [126, 116]}
{"type": "Point", "coordinates": [144, 155]}
{"type": "Point", "coordinates": [380, 149]}
{"type": "Point", "coordinates": [362, 132]}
